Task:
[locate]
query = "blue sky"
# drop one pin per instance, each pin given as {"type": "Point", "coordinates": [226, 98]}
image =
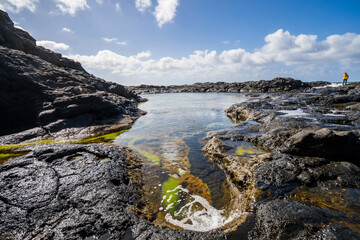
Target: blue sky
{"type": "Point", "coordinates": [185, 41]}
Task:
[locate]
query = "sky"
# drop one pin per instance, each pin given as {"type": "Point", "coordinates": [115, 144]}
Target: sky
{"type": "Point", "coordinates": [165, 42]}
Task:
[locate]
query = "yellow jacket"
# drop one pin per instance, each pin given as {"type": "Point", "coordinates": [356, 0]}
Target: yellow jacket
{"type": "Point", "coordinates": [345, 76]}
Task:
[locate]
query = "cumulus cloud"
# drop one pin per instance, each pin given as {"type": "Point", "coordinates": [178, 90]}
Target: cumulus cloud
{"type": "Point", "coordinates": [142, 5]}
{"type": "Point", "coordinates": [280, 48]}
{"type": "Point", "coordinates": [71, 6]}
{"type": "Point", "coordinates": [289, 49]}
{"type": "Point", "coordinates": [52, 45]}
{"type": "Point", "coordinates": [65, 29]}
{"type": "Point", "coordinates": [165, 11]}
{"type": "Point", "coordinates": [17, 6]}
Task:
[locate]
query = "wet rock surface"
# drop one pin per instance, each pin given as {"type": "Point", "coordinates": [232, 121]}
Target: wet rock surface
{"type": "Point", "coordinates": [40, 88]}
{"type": "Point", "coordinates": [307, 185]}
{"type": "Point", "coordinates": [278, 84]}
{"type": "Point", "coordinates": [67, 191]}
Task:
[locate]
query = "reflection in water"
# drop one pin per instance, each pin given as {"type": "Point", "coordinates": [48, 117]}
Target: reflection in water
{"type": "Point", "coordinates": [182, 188]}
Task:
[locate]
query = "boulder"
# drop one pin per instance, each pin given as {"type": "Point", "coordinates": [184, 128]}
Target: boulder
{"type": "Point", "coordinates": [333, 145]}
{"type": "Point", "coordinates": [282, 219]}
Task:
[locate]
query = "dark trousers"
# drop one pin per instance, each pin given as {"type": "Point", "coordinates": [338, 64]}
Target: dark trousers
{"type": "Point", "coordinates": [344, 81]}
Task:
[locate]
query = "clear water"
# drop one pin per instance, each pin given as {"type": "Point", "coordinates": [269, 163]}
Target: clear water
{"type": "Point", "coordinates": [182, 187]}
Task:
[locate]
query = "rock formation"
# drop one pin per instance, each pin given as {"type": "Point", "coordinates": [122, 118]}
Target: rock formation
{"type": "Point", "coordinates": [278, 84]}
{"type": "Point", "coordinates": [307, 186]}
{"type": "Point", "coordinates": [40, 88]}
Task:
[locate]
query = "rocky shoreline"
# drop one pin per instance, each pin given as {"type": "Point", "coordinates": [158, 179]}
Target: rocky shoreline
{"type": "Point", "coordinates": [307, 184]}
{"type": "Point", "coordinates": [61, 179]}
{"type": "Point", "coordinates": [278, 84]}
{"type": "Point", "coordinates": [41, 89]}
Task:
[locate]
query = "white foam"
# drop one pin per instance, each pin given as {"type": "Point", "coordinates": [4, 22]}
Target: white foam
{"type": "Point", "coordinates": [294, 113]}
{"type": "Point", "coordinates": [208, 218]}
{"type": "Point", "coordinates": [169, 206]}
{"type": "Point", "coordinates": [331, 85]}
{"type": "Point", "coordinates": [334, 115]}
{"type": "Point", "coordinates": [173, 190]}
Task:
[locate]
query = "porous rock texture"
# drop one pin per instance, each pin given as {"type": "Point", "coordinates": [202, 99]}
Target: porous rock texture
{"type": "Point", "coordinates": [64, 191]}
{"type": "Point", "coordinates": [307, 185]}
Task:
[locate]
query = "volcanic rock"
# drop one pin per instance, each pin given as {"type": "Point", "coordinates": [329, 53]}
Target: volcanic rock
{"type": "Point", "coordinates": [63, 191]}
{"type": "Point", "coordinates": [278, 84]}
{"type": "Point", "coordinates": [307, 186]}
{"type": "Point", "coordinates": [39, 88]}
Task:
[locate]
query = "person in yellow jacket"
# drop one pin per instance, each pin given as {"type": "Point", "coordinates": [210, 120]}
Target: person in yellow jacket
{"type": "Point", "coordinates": [345, 78]}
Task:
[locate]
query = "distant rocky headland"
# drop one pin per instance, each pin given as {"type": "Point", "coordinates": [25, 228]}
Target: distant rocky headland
{"type": "Point", "coordinates": [62, 178]}
{"type": "Point", "coordinates": [278, 84]}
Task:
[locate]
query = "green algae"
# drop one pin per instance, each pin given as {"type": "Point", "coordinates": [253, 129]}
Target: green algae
{"type": "Point", "coordinates": [102, 138]}
{"type": "Point", "coordinates": [143, 125]}
{"type": "Point", "coordinates": [38, 142]}
{"type": "Point", "coordinates": [170, 193]}
{"type": "Point", "coordinates": [335, 106]}
{"type": "Point", "coordinates": [247, 150]}
{"type": "Point", "coordinates": [98, 139]}
{"type": "Point", "coordinates": [6, 155]}
{"type": "Point", "coordinates": [152, 157]}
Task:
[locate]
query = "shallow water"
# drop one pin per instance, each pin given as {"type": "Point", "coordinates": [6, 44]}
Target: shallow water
{"type": "Point", "coordinates": [182, 187]}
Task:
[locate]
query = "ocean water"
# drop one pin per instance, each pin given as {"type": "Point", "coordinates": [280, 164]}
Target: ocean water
{"type": "Point", "coordinates": [182, 187]}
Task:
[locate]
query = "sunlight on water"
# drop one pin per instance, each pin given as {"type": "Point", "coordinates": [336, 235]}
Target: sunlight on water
{"type": "Point", "coordinates": [170, 136]}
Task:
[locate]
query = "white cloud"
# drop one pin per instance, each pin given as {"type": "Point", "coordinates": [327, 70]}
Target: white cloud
{"type": "Point", "coordinates": [109, 39]}
{"type": "Point", "coordinates": [65, 29]}
{"type": "Point", "coordinates": [121, 43]}
{"type": "Point", "coordinates": [117, 7]}
{"type": "Point", "coordinates": [100, 1]}
{"type": "Point", "coordinates": [289, 49]}
{"type": "Point", "coordinates": [225, 42]}
{"type": "Point", "coordinates": [142, 5]}
{"type": "Point", "coordinates": [17, 6]}
{"type": "Point", "coordinates": [53, 45]}
{"type": "Point", "coordinates": [115, 40]}
{"type": "Point", "coordinates": [71, 6]}
{"type": "Point", "coordinates": [280, 49]}
{"type": "Point", "coordinates": [165, 11]}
